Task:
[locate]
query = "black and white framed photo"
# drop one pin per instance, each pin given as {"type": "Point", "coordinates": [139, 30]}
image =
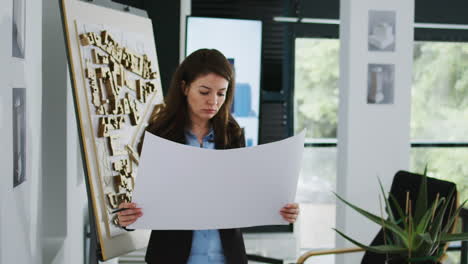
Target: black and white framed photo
{"type": "Point", "coordinates": [380, 83]}
{"type": "Point", "coordinates": [19, 28]}
{"type": "Point", "coordinates": [382, 30]}
{"type": "Point", "coordinates": [19, 135]}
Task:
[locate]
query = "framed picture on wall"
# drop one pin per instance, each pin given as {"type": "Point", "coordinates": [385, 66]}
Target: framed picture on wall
{"type": "Point", "coordinates": [380, 83]}
{"type": "Point", "coordinates": [19, 135]}
{"type": "Point", "coordinates": [19, 29]}
{"type": "Point", "coordinates": [381, 35]}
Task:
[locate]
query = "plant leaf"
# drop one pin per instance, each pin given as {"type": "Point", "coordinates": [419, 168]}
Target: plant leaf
{"type": "Point", "coordinates": [400, 222]}
{"type": "Point", "coordinates": [426, 237]}
{"type": "Point", "coordinates": [382, 222]}
{"type": "Point", "coordinates": [421, 201]}
{"type": "Point", "coordinates": [399, 210]}
{"type": "Point", "coordinates": [382, 249]}
{"type": "Point", "coordinates": [453, 237]}
{"type": "Point", "coordinates": [422, 244]}
{"type": "Point", "coordinates": [388, 208]}
{"type": "Point", "coordinates": [436, 225]}
{"type": "Point", "coordinates": [424, 222]}
{"type": "Point", "coordinates": [452, 219]}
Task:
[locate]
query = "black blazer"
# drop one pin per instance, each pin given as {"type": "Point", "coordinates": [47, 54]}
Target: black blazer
{"type": "Point", "coordinates": [174, 246]}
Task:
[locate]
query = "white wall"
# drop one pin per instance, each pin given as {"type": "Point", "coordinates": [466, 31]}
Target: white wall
{"type": "Point", "coordinates": [20, 214]}
{"type": "Point", "coordinates": [5, 96]}
{"type": "Point", "coordinates": [373, 140]}
{"type": "Point", "coordinates": [64, 193]}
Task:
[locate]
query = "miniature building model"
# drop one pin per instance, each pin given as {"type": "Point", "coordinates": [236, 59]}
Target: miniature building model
{"type": "Point", "coordinates": [120, 89]}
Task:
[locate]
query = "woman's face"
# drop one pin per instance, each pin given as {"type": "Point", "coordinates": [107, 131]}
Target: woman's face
{"type": "Point", "coordinates": [205, 96]}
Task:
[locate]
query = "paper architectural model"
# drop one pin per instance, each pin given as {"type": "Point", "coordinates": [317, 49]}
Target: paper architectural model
{"type": "Point", "coordinates": [121, 89]}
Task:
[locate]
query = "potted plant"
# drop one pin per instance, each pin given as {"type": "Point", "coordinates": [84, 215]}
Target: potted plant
{"type": "Point", "coordinates": [418, 238]}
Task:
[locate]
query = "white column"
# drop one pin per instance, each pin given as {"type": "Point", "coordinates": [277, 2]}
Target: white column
{"type": "Point", "coordinates": [373, 139]}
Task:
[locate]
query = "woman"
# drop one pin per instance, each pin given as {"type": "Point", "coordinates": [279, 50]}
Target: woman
{"type": "Point", "coordinates": [198, 113]}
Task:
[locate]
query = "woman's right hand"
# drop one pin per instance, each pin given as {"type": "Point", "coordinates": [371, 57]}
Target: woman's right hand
{"type": "Point", "coordinates": [130, 215]}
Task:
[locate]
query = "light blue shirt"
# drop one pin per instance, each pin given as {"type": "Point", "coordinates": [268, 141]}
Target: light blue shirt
{"type": "Point", "coordinates": [206, 244]}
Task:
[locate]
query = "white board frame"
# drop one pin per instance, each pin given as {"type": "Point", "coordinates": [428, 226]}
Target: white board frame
{"type": "Point", "coordinates": [77, 11]}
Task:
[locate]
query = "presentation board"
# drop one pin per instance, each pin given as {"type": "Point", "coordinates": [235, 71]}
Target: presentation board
{"type": "Point", "coordinates": [116, 84]}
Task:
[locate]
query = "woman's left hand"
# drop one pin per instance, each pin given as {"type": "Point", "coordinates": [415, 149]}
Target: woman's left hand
{"type": "Point", "coordinates": [289, 212]}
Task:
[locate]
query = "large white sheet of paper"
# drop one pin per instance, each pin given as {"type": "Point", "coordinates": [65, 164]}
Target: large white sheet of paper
{"type": "Point", "coordinates": [182, 187]}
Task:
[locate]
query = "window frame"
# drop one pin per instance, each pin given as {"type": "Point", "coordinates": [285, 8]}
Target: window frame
{"type": "Point", "coordinates": [331, 31]}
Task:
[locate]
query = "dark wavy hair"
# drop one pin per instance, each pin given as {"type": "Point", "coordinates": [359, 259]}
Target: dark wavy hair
{"type": "Point", "coordinates": [171, 119]}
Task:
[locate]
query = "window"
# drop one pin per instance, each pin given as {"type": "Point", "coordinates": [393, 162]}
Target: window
{"type": "Point", "coordinates": [439, 118]}
{"type": "Point", "coordinates": [316, 109]}
{"type": "Point", "coordinates": [439, 126]}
